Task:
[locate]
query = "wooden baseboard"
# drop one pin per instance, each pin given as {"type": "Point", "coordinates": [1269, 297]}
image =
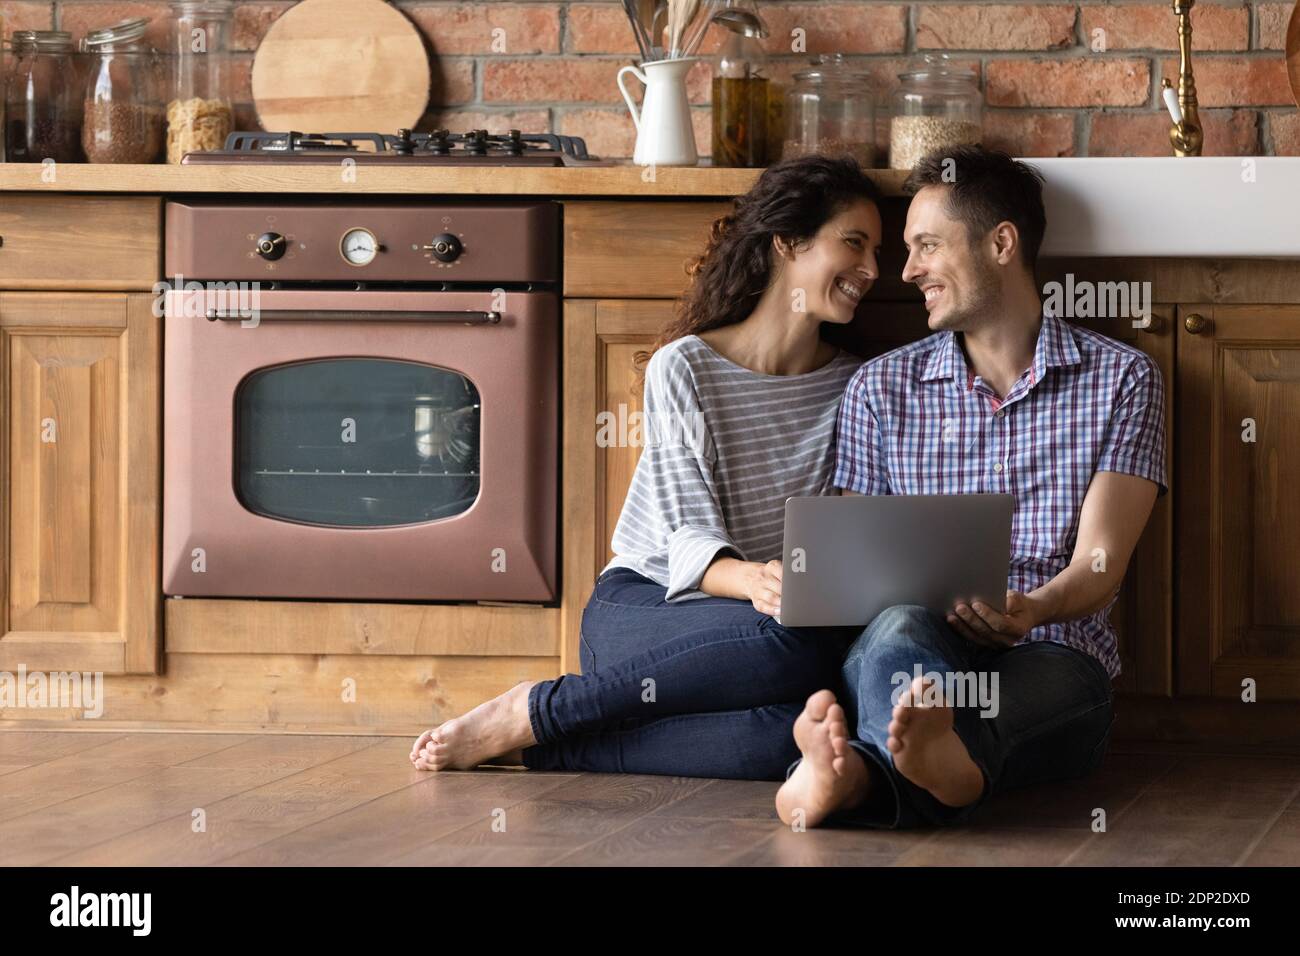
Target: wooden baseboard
{"type": "Point", "coordinates": [1221, 724]}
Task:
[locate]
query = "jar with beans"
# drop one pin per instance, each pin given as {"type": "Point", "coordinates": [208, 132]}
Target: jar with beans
{"type": "Point", "coordinates": [43, 99]}
{"type": "Point", "coordinates": [123, 115]}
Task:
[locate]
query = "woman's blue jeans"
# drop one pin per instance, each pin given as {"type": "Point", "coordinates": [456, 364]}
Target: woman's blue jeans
{"type": "Point", "coordinates": [1049, 715]}
{"type": "Point", "coordinates": [703, 688]}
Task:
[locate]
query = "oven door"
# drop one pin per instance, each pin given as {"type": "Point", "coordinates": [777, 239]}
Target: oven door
{"type": "Point", "coordinates": [361, 445]}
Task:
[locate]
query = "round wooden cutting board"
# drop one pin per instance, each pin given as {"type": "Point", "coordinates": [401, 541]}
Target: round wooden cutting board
{"type": "Point", "coordinates": [341, 66]}
{"type": "Point", "coordinates": [1293, 52]}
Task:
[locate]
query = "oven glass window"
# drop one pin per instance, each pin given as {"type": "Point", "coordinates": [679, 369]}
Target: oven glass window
{"type": "Point", "coordinates": [357, 443]}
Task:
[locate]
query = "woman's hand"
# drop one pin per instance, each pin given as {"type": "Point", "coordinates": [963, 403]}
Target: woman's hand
{"type": "Point", "coordinates": [764, 587]}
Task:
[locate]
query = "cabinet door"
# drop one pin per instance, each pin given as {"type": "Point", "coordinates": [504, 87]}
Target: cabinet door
{"type": "Point", "coordinates": [601, 407]}
{"type": "Point", "coordinates": [79, 384]}
{"type": "Point", "coordinates": [1239, 509]}
{"type": "Point", "coordinates": [1142, 615]}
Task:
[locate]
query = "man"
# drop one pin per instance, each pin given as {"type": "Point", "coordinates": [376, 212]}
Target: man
{"type": "Point", "coordinates": [1002, 399]}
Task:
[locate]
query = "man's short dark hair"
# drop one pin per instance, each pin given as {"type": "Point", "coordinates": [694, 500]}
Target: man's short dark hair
{"type": "Point", "coordinates": [986, 187]}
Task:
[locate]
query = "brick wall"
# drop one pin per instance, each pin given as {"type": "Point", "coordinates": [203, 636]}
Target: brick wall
{"type": "Point", "coordinates": [1048, 93]}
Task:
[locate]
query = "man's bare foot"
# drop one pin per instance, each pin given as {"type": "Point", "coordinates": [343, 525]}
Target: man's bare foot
{"type": "Point", "coordinates": [832, 775]}
{"type": "Point", "coordinates": [498, 728]}
{"type": "Point", "coordinates": [928, 752]}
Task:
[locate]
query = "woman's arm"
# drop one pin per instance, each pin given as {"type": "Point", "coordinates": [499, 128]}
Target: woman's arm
{"type": "Point", "coordinates": [745, 581]}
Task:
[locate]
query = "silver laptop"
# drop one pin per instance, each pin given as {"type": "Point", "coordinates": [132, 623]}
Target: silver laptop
{"type": "Point", "coordinates": [848, 558]}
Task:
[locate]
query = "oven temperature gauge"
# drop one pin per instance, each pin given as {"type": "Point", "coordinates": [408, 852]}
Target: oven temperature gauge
{"type": "Point", "coordinates": [359, 247]}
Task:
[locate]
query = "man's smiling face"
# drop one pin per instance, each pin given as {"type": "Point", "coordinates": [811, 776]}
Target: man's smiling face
{"type": "Point", "coordinates": [957, 274]}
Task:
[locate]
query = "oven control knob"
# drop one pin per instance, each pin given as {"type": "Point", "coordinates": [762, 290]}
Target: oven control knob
{"type": "Point", "coordinates": [445, 248]}
{"type": "Point", "coordinates": [271, 246]}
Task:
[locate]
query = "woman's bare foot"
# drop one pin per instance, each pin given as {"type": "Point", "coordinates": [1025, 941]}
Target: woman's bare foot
{"type": "Point", "coordinates": [498, 728]}
{"type": "Point", "coordinates": [928, 752]}
{"type": "Point", "coordinates": [831, 775]}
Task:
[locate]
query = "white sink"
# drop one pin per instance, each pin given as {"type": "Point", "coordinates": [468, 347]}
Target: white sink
{"type": "Point", "coordinates": [1166, 206]}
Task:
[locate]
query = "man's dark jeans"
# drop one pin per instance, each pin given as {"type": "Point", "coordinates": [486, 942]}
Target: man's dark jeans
{"type": "Point", "coordinates": [1053, 718]}
{"type": "Point", "coordinates": [703, 688]}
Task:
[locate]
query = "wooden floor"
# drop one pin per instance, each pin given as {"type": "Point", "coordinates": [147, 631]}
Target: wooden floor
{"type": "Point", "coordinates": [94, 798]}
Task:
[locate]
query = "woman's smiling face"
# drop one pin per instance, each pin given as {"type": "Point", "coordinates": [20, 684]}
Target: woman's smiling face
{"type": "Point", "coordinates": [837, 266]}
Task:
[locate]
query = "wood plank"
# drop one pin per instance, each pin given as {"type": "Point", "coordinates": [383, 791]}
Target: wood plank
{"type": "Point", "coordinates": [578, 470]}
{"type": "Point", "coordinates": [403, 823]}
{"type": "Point", "coordinates": [79, 242]}
{"type": "Point", "coordinates": [216, 626]}
{"type": "Point", "coordinates": [262, 813]}
{"type": "Point", "coordinates": [302, 692]}
{"type": "Point", "coordinates": [602, 238]}
{"type": "Point", "coordinates": [138, 548]}
{"type": "Point", "coordinates": [168, 797]}
{"type": "Point", "coordinates": [619, 180]}
{"type": "Point", "coordinates": [111, 762]}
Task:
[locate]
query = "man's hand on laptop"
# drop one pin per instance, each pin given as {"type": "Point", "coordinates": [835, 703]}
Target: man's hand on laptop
{"type": "Point", "coordinates": [990, 627]}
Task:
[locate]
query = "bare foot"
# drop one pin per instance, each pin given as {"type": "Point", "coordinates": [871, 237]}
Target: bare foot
{"type": "Point", "coordinates": [498, 728]}
{"type": "Point", "coordinates": [928, 752]}
{"type": "Point", "coordinates": [832, 775]}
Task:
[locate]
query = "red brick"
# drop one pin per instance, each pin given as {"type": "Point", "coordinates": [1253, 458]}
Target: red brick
{"type": "Point", "coordinates": [1024, 133]}
{"type": "Point", "coordinates": [1236, 81]}
{"type": "Point", "coordinates": [598, 28]}
{"type": "Point", "coordinates": [1153, 26]}
{"type": "Point", "coordinates": [467, 28]}
{"type": "Point", "coordinates": [610, 134]}
{"type": "Point", "coordinates": [835, 27]}
{"type": "Point", "coordinates": [25, 15]}
{"type": "Point", "coordinates": [252, 20]}
{"type": "Point", "coordinates": [1010, 26]}
{"type": "Point", "coordinates": [1078, 82]}
{"type": "Point", "coordinates": [1272, 20]}
{"type": "Point", "coordinates": [578, 80]}
{"type": "Point", "coordinates": [1285, 132]}
{"type": "Point", "coordinates": [80, 18]}
{"type": "Point", "coordinates": [1227, 133]}
{"type": "Point", "coordinates": [501, 121]}
{"type": "Point", "coordinates": [452, 81]}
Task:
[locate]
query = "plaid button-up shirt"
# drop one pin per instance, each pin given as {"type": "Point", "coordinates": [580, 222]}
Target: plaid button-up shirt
{"type": "Point", "coordinates": [915, 421]}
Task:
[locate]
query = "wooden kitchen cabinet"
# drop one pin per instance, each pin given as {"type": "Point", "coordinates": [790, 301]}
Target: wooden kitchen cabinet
{"type": "Point", "coordinates": [1238, 550]}
{"type": "Point", "coordinates": [616, 329]}
{"type": "Point", "coordinates": [79, 465]}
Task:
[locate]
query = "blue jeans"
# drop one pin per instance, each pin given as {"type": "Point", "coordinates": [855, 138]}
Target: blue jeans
{"type": "Point", "coordinates": [702, 688]}
{"type": "Point", "coordinates": [1053, 712]}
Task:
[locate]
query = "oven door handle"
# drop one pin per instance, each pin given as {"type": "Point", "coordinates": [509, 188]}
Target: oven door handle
{"type": "Point", "coordinates": [354, 315]}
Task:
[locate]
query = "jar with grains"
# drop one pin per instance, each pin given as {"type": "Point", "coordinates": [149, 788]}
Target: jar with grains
{"type": "Point", "coordinates": [935, 107]}
{"type": "Point", "coordinates": [831, 110]}
{"type": "Point", "coordinates": [199, 111]}
{"type": "Point", "coordinates": [123, 116]}
{"type": "Point", "coordinates": [43, 99]}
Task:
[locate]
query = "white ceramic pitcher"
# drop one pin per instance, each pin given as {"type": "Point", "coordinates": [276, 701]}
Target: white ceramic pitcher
{"type": "Point", "coordinates": [664, 135]}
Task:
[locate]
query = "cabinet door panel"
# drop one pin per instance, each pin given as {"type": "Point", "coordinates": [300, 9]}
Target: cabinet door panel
{"type": "Point", "coordinates": [1239, 519]}
{"type": "Point", "coordinates": [80, 565]}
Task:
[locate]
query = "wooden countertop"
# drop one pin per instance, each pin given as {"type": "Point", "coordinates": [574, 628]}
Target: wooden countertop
{"type": "Point", "coordinates": [593, 181]}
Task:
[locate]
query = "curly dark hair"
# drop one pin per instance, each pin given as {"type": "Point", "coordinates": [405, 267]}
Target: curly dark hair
{"type": "Point", "coordinates": [792, 199]}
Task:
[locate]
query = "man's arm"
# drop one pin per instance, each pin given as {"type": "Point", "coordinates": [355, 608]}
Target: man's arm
{"type": "Point", "coordinates": [1115, 510]}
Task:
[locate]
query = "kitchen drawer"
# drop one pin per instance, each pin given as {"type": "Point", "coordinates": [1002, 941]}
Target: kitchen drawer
{"type": "Point", "coordinates": [80, 242]}
{"type": "Point", "coordinates": [636, 250]}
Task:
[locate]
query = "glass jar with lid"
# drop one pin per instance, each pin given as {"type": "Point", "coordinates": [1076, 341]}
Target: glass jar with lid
{"type": "Point", "coordinates": [200, 114]}
{"type": "Point", "coordinates": [831, 110]}
{"type": "Point", "coordinates": [42, 99]}
{"type": "Point", "coordinates": [935, 106]}
{"type": "Point", "coordinates": [123, 120]}
{"type": "Point", "coordinates": [740, 88]}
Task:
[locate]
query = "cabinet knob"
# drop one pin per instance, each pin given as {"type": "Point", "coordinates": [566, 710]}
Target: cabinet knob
{"type": "Point", "coordinates": [1150, 323]}
{"type": "Point", "coordinates": [1196, 323]}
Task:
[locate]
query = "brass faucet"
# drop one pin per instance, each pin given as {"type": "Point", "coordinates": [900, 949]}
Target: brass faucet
{"type": "Point", "coordinates": [1185, 135]}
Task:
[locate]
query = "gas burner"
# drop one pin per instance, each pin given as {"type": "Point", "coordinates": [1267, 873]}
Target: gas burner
{"type": "Point", "coordinates": [474, 147]}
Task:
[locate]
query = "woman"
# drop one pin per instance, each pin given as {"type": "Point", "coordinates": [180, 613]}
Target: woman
{"type": "Point", "coordinates": [684, 670]}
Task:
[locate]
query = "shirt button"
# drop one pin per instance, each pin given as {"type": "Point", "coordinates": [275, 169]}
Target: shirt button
{"type": "Point", "coordinates": [999, 414]}
{"type": "Point", "coordinates": [997, 467]}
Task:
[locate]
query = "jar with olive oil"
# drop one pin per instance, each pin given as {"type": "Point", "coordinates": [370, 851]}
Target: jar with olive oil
{"type": "Point", "coordinates": [741, 98]}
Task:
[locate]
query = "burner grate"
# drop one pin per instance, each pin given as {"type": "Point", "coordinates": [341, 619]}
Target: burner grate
{"type": "Point", "coordinates": [439, 142]}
